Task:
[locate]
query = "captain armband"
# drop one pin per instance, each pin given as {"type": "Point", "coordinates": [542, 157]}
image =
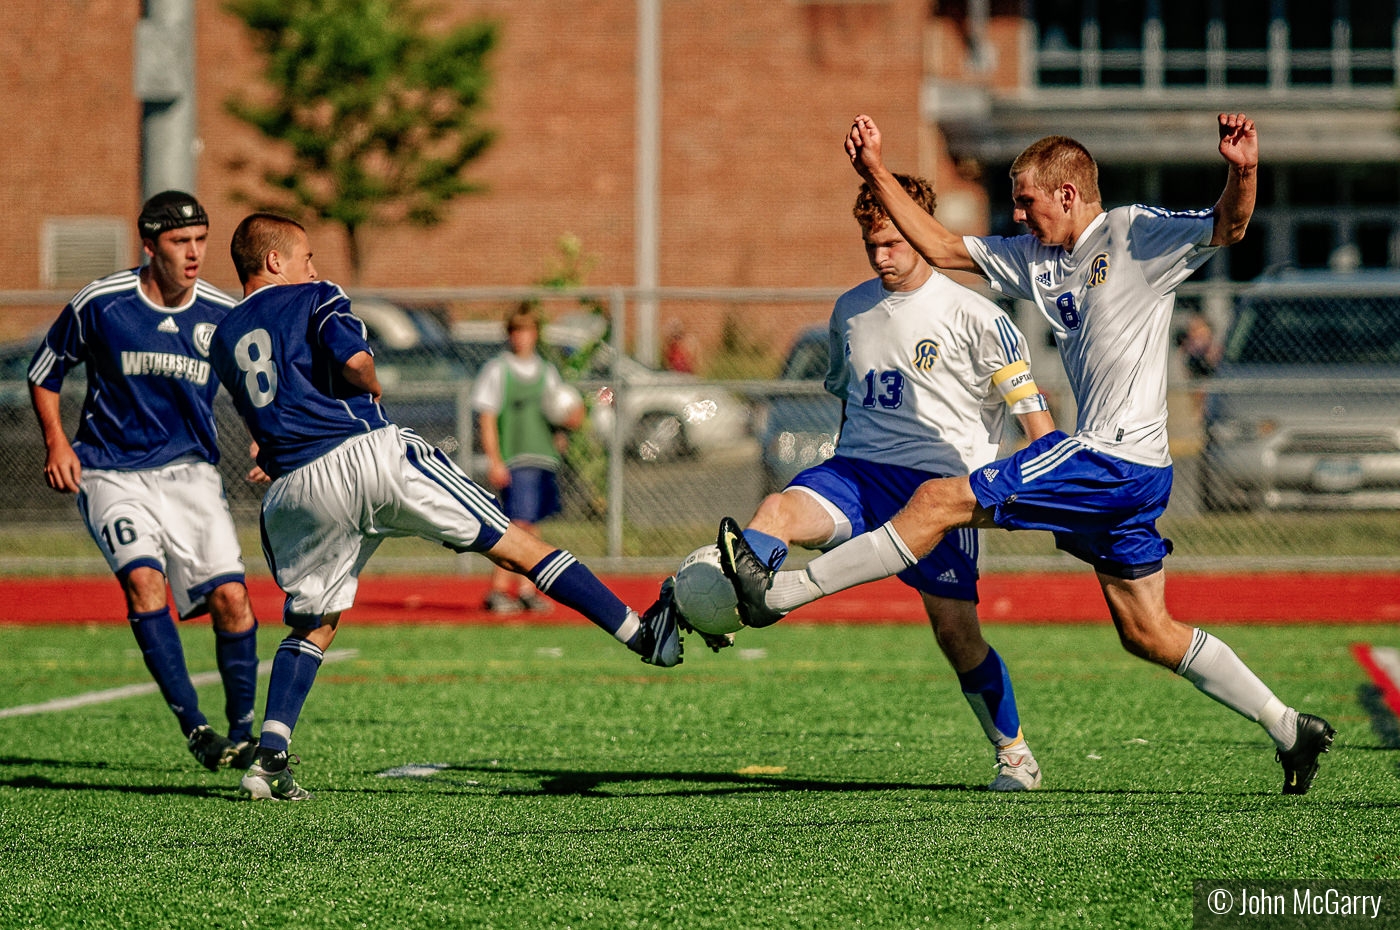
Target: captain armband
{"type": "Point", "coordinates": [1015, 384]}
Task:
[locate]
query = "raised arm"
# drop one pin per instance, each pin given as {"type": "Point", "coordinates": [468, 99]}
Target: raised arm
{"type": "Point", "coordinates": [930, 238]}
{"type": "Point", "coordinates": [1239, 146]}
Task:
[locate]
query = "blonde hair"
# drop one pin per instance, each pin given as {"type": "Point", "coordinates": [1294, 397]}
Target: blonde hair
{"type": "Point", "coordinates": [1059, 160]}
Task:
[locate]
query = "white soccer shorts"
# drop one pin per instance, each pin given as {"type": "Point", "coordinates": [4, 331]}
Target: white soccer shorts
{"type": "Point", "coordinates": [323, 521]}
{"type": "Point", "coordinates": [174, 518]}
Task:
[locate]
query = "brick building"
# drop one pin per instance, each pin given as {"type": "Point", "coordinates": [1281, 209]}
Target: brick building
{"type": "Point", "coordinates": [755, 97]}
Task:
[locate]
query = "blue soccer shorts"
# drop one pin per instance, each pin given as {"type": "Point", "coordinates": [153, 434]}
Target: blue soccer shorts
{"type": "Point", "coordinates": [1101, 509]}
{"type": "Point", "coordinates": [532, 496]}
{"type": "Point", "coordinates": [862, 496]}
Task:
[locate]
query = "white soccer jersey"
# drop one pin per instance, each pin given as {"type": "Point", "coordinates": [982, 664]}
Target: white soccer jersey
{"type": "Point", "coordinates": [927, 375]}
{"type": "Point", "coordinates": [1109, 303]}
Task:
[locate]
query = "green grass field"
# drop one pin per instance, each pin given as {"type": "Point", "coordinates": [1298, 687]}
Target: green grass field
{"type": "Point", "coordinates": [813, 776]}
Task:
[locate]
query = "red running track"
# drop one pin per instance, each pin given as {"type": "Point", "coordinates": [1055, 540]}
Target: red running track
{"type": "Point", "coordinates": [1010, 598]}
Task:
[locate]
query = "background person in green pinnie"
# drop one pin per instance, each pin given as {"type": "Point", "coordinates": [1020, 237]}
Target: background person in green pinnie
{"type": "Point", "coordinates": [521, 400]}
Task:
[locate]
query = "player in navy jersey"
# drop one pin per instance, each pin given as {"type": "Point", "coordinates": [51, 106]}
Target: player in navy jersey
{"type": "Point", "coordinates": [294, 358]}
{"type": "Point", "coordinates": [142, 462]}
{"type": "Point", "coordinates": [1105, 282]}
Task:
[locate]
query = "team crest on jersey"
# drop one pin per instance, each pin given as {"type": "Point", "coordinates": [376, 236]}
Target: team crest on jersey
{"type": "Point", "coordinates": [167, 325]}
{"type": "Point", "coordinates": [203, 336]}
{"type": "Point", "coordinates": [925, 354]}
{"type": "Point", "coordinates": [1098, 269]}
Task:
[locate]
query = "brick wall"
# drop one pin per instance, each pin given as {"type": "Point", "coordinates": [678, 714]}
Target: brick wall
{"type": "Point", "coordinates": [756, 190]}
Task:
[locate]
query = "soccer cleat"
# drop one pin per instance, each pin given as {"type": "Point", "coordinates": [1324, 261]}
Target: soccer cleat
{"type": "Point", "coordinates": [535, 604]}
{"type": "Point", "coordinates": [1016, 771]}
{"type": "Point", "coordinates": [1315, 737]}
{"type": "Point", "coordinates": [499, 602]}
{"type": "Point", "coordinates": [264, 785]}
{"type": "Point", "coordinates": [716, 641]}
{"type": "Point", "coordinates": [209, 748]}
{"type": "Point", "coordinates": [659, 640]}
{"type": "Point", "coordinates": [240, 755]}
{"type": "Point", "coordinates": [746, 571]}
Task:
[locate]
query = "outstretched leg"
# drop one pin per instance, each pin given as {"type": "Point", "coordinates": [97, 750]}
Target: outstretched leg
{"type": "Point", "coordinates": [1139, 611]}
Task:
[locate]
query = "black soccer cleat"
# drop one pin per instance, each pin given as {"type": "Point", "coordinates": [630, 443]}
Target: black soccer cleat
{"type": "Point", "coordinates": [658, 641]}
{"type": "Point", "coordinates": [746, 571]}
{"type": "Point", "coordinates": [1315, 737]}
{"type": "Point", "coordinates": [209, 749]}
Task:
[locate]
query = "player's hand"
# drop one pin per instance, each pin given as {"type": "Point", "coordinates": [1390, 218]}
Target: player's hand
{"type": "Point", "coordinates": [257, 476]}
{"type": "Point", "coordinates": [62, 470]}
{"type": "Point", "coordinates": [1239, 140]}
{"type": "Point", "coordinates": [499, 475]}
{"type": "Point", "coordinates": [863, 145]}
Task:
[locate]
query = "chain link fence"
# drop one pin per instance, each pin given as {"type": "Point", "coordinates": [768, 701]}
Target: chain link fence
{"type": "Point", "coordinates": [1283, 415]}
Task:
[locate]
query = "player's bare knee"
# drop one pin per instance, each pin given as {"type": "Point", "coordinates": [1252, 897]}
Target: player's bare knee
{"type": "Point", "coordinates": [144, 588]}
{"type": "Point", "coordinates": [230, 610]}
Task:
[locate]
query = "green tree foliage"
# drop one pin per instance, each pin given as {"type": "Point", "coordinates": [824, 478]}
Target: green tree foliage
{"type": "Point", "coordinates": [380, 117]}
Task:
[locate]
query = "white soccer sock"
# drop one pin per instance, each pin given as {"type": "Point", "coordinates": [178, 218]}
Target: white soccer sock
{"type": "Point", "coordinates": [1214, 669]}
{"type": "Point", "coordinates": [870, 556]}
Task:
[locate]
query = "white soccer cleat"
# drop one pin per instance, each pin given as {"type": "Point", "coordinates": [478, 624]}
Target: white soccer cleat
{"type": "Point", "coordinates": [1017, 770]}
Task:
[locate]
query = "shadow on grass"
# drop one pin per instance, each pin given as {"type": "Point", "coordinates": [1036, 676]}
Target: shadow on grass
{"type": "Point", "coordinates": [46, 783]}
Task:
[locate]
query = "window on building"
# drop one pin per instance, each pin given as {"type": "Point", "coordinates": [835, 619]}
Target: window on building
{"type": "Point", "coordinates": [76, 249]}
{"type": "Point", "coordinates": [1215, 43]}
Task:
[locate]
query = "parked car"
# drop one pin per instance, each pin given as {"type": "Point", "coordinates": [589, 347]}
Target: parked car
{"type": "Point", "coordinates": [800, 421]}
{"type": "Point", "coordinates": [666, 415]}
{"type": "Point", "coordinates": [1302, 411]}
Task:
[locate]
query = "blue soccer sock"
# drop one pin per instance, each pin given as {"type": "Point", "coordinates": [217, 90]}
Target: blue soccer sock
{"type": "Point", "coordinates": [988, 691]}
{"type": "Point", "coordinates": [771, 550]}
{"type": "Point", "coordinates": [159, 640]}
{"type": "Point", "coordinates": [237, 657]}
{"type": "Point", "coordinates": [293, 673]}
{"type": "Point", "coordinates": [568, 581]}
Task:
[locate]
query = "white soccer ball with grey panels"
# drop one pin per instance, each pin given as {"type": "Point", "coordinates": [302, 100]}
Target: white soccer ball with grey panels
{"type": "Point", "coordinates": [561, 404]}
{"type": "Point", "coordinates": [704, 596]}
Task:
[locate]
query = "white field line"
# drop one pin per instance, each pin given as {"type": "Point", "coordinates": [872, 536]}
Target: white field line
{"type": "Point", "coordinates": [126, 691]}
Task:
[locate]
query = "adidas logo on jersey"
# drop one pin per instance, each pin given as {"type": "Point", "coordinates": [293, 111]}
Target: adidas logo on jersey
{"type": "Point", "coordinates": [990, 473]}
{"type": "Point", "coordinates": [167, 325]}
{"type": "Point", "coordinates": [1043, 279]}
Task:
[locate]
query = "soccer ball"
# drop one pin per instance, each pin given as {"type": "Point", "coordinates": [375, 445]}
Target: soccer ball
{"type": "Point", "coordinates": [560, 404]}
{"type": "Point", "coordinates": [704, 596]}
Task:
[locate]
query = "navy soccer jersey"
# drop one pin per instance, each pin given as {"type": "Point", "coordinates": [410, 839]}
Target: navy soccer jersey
{"type": "Point", "coordinates": [150, 387]}
{"type": "Point", "coordinates": [281, 354]}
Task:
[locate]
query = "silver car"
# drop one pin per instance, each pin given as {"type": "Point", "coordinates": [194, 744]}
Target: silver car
{"type": "Point", "coordinates": [1304, 411]}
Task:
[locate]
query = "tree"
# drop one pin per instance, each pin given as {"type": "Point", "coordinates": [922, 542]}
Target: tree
{"type": "Point", "coordinates": [380, 117]}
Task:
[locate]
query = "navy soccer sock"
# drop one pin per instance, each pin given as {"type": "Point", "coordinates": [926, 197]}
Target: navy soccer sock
{"type": "Point", "coordinates": [770, 549]}
{"type": "Point", "coordinates": [988, 691]}
{"type": "Point", "coordinates": [237, 657]}
{"type": "Point", "coordinates": [293, 673]}
{"type": "Point", "coordinates": [568, 581]}
{"type": "Point", "coordinates": [159, 640]}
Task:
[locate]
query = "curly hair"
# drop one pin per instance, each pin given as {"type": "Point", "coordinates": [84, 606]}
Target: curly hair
{"type": "Point", "coordinates": [1059, 160]}
{"type": "Point", "coordinates": [871, 214]}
